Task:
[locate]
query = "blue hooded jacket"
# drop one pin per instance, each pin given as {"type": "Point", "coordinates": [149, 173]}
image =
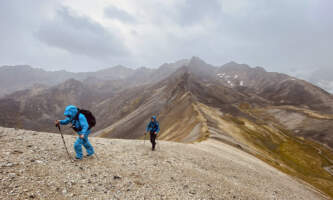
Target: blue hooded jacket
{"type": "Point", "coordinates": [82, 123]}
{"type": "Point", "coordinates": [153, 126]}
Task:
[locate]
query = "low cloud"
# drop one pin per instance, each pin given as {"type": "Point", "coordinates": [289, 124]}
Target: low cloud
{"type": "Point", "coordinates": [113, 12]}
{"type": "Point", "coordinates": [280, 35]}
{"type": "Point", "coordinates": [193, 12]}
{"type": "Point", "coordinates": [80, 35]}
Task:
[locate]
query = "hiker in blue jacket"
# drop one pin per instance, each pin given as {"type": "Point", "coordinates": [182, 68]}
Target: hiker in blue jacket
{"type": "Point", "coordinates": [153, 128]}
{"type": "Point", "coordinates": [81, 126]}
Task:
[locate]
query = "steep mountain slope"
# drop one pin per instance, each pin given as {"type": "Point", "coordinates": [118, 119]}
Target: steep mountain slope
{"type": "Point", "coordinates": [14, 78]}
{"type": "Point", "coordinates": [193, 105]}
{"type": "Point", "coordinates": [35, 166]}
{"type": "Point", "coordinates": [280, 89]}
{"type": "Point", "coordinates": [37, 109]}
{"type": "Point", "coordinates": [198, 82]}
{"type": "Point", "coordinates": [113, 73]}
{"type": "Point", "coordinates": [273, 143]}
{"type": "Point", "coordinates": [257, 78]}
{"type": "Point", "coordinates": [170, 97]}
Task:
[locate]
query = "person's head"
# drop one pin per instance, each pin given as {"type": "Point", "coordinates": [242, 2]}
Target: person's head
{"type": "Point", "coordinates": [153, 118]}
{"type": "Point", "coordinates": [71, 111]}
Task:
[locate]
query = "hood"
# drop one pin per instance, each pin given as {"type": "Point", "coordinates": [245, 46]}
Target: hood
{"type": "Point", "coordinates": [71, 111]}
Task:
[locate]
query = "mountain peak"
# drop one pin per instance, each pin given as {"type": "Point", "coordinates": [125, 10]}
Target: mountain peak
{"type": "Point", "coordinates": [260, 69]}
{"type": "Point", "coordinates": [120, 67]}
{"type": "Point", "coordinates": [116, 68]}
{"type": "Point", "coordinates": [235, 66]}
{"type": "Point", "coordinates": [232, 63]}
{"type": "Point", "coordinates": [177, 64]}
{"type": "Point", "coordinates": [196, 60]}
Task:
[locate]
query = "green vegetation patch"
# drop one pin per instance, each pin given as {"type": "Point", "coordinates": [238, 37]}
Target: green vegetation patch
{"type": "Point", "coordinates": [303, 159]}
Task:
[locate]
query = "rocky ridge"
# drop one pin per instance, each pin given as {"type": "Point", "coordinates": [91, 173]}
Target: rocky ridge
{"type": "Point", "coordinates": [34, 165]}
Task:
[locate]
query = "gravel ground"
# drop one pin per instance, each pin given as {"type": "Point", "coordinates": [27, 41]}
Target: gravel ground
{"type": "Point", "coordinates": [35, 166]}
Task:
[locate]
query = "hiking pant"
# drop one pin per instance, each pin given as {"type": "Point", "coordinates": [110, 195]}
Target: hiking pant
{"type": "Point", "coordinates": [78, 147]}
{"type": "Point", "coordinates": [152, 139]}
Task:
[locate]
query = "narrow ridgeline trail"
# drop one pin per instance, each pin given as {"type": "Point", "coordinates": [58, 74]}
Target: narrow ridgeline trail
{"type": "Point", "coordinates": [35, 165]}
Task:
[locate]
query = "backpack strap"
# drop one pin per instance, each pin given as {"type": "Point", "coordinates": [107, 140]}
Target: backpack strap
{"type": "Point", "coordinates": [154, 126]}
{"type": "Point", "coordinates": [77, 114]}
{"type": "Point", "coordinates": [76, 118]}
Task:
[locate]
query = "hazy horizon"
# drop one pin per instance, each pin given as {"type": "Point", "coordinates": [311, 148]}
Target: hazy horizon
{"type": "Point", "coordinates": [130, 67]}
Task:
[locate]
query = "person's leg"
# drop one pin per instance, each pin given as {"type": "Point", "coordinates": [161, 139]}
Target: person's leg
{"type": "Point", "coordinates": [88, 146]}
{"type": "Point", "coordinates": [78, 148]}
{"type": "Point", "coordinates": [152, 139]}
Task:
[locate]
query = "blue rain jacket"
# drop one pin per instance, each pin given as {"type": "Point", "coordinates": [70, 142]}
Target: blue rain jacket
{"type": "Point", "coordinates": [82, 123]}
{"type": "Point", "coordinates": [153, 126]}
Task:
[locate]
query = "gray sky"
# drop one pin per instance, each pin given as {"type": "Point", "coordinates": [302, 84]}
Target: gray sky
{"type": "Point", "coordinates": [85, 35]}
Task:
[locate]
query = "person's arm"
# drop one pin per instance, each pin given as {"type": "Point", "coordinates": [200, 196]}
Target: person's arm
{"type": "Point", "coordinates": [84, 125]}
{"type": "Point", "coordinates": [158, 128]}
{"type": "Point", "coordinates": [65, 121]}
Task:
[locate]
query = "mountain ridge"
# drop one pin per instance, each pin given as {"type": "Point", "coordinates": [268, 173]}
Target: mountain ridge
{"type": "Point", "coordinates": [21, 77]}
{"type": "Point", "coordinates": [35, 165]}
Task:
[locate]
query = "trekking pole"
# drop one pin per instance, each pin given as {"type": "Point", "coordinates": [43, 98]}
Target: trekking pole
{"type": "Point", "coordinates": [96, 156]}
{"type": "Point", "coordinates": [144, 141]}
{"type": "Point", "coordinates": [63, 139]}
{"type": "Point", "coordinates": [158, 144]}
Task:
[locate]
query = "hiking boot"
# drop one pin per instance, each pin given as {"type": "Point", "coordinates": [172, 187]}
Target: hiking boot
{"type": "Point", "coordinates": [88, 155]}
{"type": "Point", "coordinates": [77, 159]}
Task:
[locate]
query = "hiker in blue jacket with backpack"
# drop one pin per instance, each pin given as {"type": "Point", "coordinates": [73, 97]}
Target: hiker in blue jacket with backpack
{"type": "Point", "coordinates": [79, 119]}
{"type": "Point", "coordinates": [153, 128]}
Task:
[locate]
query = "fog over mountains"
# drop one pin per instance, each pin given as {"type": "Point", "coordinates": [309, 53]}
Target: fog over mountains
{"type": "Point", "coordinates": [20, 77]}
{"type": "Point", "coordinates": [323, 78]}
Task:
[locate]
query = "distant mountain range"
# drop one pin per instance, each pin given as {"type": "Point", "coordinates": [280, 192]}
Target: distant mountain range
{"type": "Point", "coordinates": [20, 77]}
{"type": "Point", "coordinates": [285, 121]}
{"type": "Point", "coordinates": [15, 78]}
{"type": "Point", "coordinates": [136, 94]}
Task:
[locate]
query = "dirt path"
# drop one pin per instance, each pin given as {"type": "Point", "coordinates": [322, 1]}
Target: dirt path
{"type": "Point", "coordinates": [35, 166]}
